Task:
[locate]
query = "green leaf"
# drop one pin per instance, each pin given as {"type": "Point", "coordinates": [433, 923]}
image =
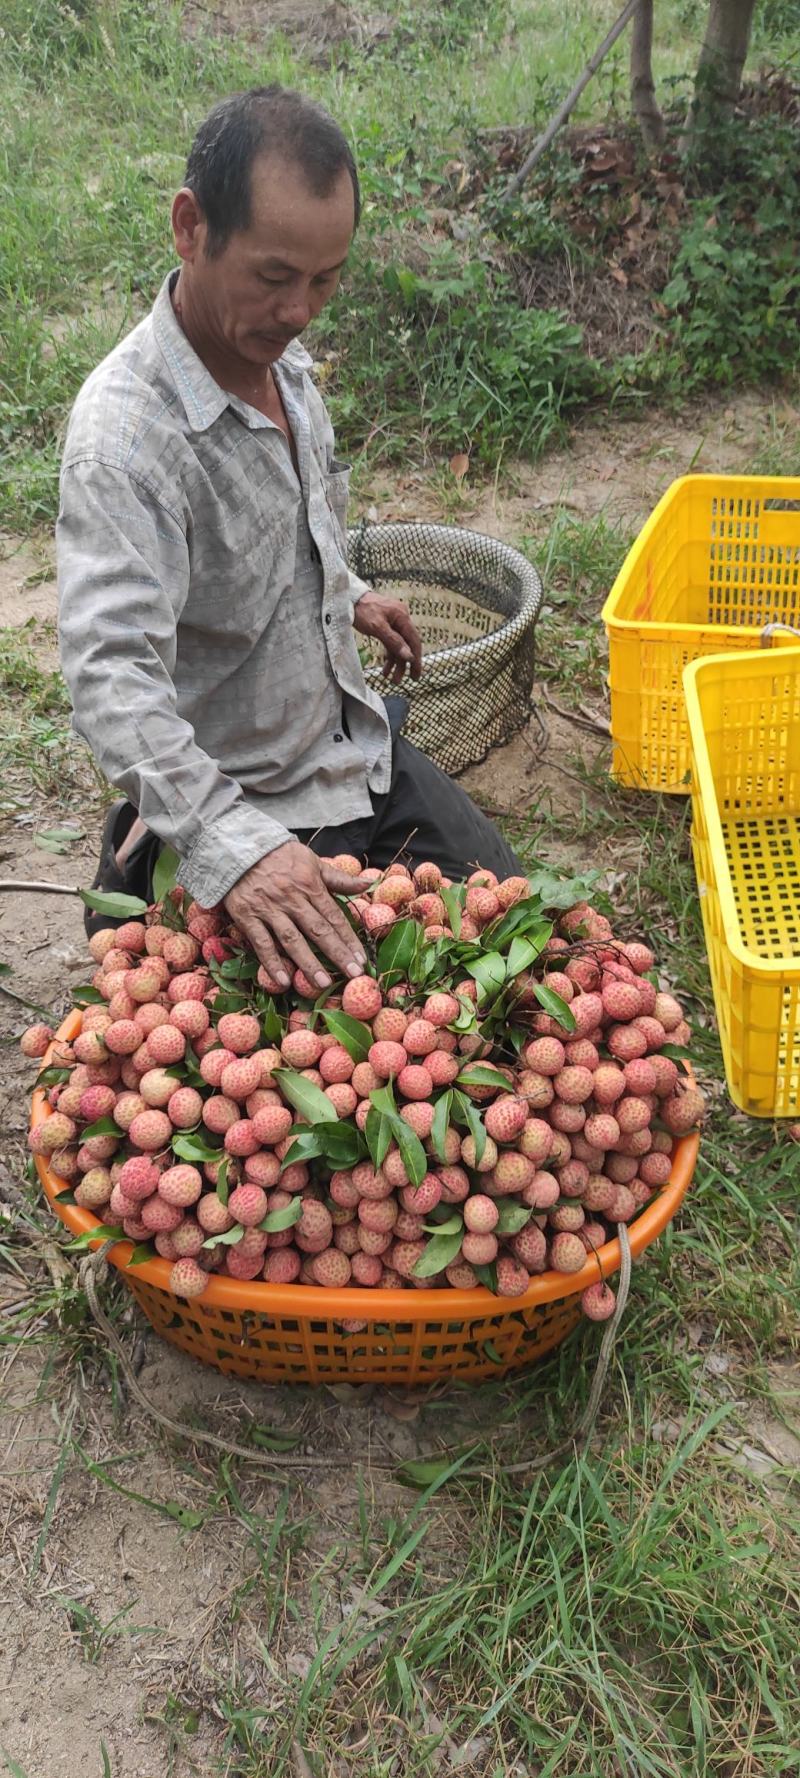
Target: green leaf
{"type": "Point", "coordinates": [165, 874]}
{"type": "Point", "coordinates": [554, 1005]}
{"type": "Point", "coordinates": [492, 1353]}
{"type": "Point", "coordinates": [276, 1220]}
{"type": "Point", "coordinates": [422, 1472]}
{"type": "Point", "coordinates": [101, 1233]}
{"type": "Point", "coordinates": [228, 1238]}
{"type": "Point", "coordinates": [222, 1188]}
{"type": "Point", "coordinates": [489, 972]}
{"type": "Point", "coordinates": [269, 1439]}
{"type": "Point", "coordinates": [412, 1152]}
{"type": "Point", "coordinates": [52, 1077]}
{"type": "Point", "coordinates": [467, 1019]}
{"type": "Point", "coordinates": [562, 892]}
{"type": "Point", "coordinates": [239, 968]}
{"type": "Point", "coordinates": [396, 951]}
{"type": "Point", "coordinates": [47, 842]}
{"type": "Point", "coordinates": [229, 1000]}
{"type": "Point", "coordinates": [453, 902]}
{"type": "Point", "coordinates": [66, 1197]}
{"type": "Point", "coordinates": [477, 1076]}
{"type": "Point", "coordinates": [141, 1255]}
{"type": "Point", "coordinates": [466, 1113]}
{"type": "Point", "coordinates": [118, 907]}
{"type": "Point", "coordinates": [511, 1218]}
{"type": "Point", "coordinates": [453, 1224]}
{"type": "Point", "coordinates": [524, 951]}
{"type": "Point", "coordinates": [306, 1098]}
{"type": "Point", "coordinates": [272, 1024]}
{"type": "Point", "coordinates": [105, 1126]}
{"type": "Point", "coordinates": [341, 1143]}
{"type": "Point", "coordinates": [66, 835]}
{"type": "Point", "coordinates": [441, 1121]}
{"type": "Point", "coordinates": [354, 1036]}
{"type": "Point", "coordinates": [378, 1133]}
{"type": "Point", "coordinates": [306, 1147]}
{"type": "Point", "coordinates": [675, 1051]}
{"type": "Point", "coordinates": [383, 1099]}
{"type": "Point", "coordinates": [524, 917]}
{"type": "Point", "coordinates": [192, 1146]}
{"type": "Point", "coordinates": [439, 1252]}
{"type": "Point", "coordinates": [487, 1276]}
{"type": "Point", "coordinates": [86, 995]}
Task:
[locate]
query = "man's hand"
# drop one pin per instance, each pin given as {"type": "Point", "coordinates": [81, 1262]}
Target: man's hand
{"type": "Point", "coordinates": [388, 620]}
{"type": "Point", "coordinates": [283, 901]}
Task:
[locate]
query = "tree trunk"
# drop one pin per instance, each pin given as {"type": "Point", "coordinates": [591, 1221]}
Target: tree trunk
{"type": "Point", "coordinates": [719, 70]}
{"type": "Point", "coordinates": [643, 93]}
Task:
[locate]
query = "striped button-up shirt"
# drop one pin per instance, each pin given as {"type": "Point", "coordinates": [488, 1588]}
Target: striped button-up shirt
{"type": "Point", "coordinates": [206, 607]}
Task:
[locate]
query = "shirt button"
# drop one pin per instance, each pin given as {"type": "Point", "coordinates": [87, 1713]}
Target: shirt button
{"type": "Point", "coordinates": [328, 617]}
{"type": "Point", "coordinates": [338, 737]}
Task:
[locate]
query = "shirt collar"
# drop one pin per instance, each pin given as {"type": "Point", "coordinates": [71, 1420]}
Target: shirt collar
{"type": "Point", "coordinates": [201, 397]}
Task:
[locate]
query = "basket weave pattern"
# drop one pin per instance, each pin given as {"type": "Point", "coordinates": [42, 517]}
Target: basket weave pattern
{"type": "Point", "coordinates": [475, 602]}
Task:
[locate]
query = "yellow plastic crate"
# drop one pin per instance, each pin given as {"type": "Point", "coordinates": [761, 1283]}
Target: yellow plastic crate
{"type": "Point", "coordinates": [744, 719]}
{"type": "Point", "coordinates": [718, 559]}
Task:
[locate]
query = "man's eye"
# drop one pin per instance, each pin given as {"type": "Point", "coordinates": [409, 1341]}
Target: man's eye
{"type": "Point", "coordinates": [274, 283]}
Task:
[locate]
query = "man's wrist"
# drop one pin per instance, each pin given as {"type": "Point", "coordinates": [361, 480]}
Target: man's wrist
{"type": "Point", "coordinates": [224, 854]}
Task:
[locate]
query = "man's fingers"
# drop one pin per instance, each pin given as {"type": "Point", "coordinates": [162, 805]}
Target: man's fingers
{"type": "Point", "coordinates": [339, 882]}
{"type": "Point", "coordinates": [404, 623]}
{"type": "Point", "coordinates": [291, 940]}
{"type": "Point", "coordinates": [267, 951]}
{"type": "Point", "coordinates": [337, 939]}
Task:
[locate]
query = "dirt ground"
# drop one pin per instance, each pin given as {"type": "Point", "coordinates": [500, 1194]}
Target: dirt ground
{"type": "Point", "coordinates": [74, 1553]}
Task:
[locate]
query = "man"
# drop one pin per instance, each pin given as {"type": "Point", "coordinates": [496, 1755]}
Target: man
{"type": "Point", "coordinates": [206, 607]}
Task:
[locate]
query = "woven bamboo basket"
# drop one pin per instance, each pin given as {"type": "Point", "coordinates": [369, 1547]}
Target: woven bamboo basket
{"type": "Point", "coordinates": [475, 602]}
{"type": "Point", "coordinates": [292, 1333]}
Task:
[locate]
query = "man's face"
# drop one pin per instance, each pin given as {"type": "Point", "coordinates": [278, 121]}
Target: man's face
{"type": "Point", "coordinates": [272, 278]}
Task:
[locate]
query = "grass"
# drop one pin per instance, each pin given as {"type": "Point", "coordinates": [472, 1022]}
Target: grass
{"type": "Point", "coordinates": [433, 352]}
{"type": "Point", "coordinates": [40, 756]}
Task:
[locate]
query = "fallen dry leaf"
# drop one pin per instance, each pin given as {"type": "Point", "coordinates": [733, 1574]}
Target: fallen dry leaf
{"type": "Point", "coordinates": [459, 465]}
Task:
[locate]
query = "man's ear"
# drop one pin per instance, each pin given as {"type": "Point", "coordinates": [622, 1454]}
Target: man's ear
{"type": "Point", "coordinates": [188, 225]}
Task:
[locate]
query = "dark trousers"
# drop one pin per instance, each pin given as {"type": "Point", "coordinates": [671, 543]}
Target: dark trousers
{"type": "Point", "coordinates": [424, 815]}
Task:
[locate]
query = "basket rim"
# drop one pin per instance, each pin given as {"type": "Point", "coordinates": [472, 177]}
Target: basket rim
{"type": "Point", "coordinates": [309, 1302]}
{"type": "Point", "coordinates": [758, 662]}
{"type": "Point", "coordinates": [466, 652]}
{"type": "Point", "coordinates": [787, 486]}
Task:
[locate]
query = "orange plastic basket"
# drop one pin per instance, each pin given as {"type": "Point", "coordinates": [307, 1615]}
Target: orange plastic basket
{"type": "Point", "coordinates": [290, 1333]}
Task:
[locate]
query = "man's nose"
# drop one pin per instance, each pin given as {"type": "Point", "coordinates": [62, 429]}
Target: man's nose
{"type": "Point", "coordinates": [295, 310]}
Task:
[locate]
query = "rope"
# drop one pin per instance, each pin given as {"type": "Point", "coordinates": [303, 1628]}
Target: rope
{"type": "Point", "coordinates": [94, 1269]}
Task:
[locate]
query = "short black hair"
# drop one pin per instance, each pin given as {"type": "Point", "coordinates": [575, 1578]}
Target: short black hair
{"type": "Point", "coordinates": [264, 120]}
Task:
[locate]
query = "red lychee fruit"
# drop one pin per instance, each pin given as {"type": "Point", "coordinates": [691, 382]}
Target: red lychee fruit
{"type": "Point", "coordinates": [567, 1253]}
{"type": "Point", "coordinates": [151, 1130]}
{"type": "Point", "coordinates": [239, 1031]}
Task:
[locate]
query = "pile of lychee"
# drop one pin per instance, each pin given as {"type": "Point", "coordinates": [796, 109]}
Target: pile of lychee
{"type": "Point", "coordinates": [499, 1091]}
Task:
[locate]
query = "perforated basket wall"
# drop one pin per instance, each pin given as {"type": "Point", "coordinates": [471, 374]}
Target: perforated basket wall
{"type": "Point", "coordinates": [717, 561]}
{"type": "Point", "coordinates": [475, 602]}
{"type": "Point", "coordinates": [744, 718]}
{"type": "Point", "coordinates": [277, 1333]}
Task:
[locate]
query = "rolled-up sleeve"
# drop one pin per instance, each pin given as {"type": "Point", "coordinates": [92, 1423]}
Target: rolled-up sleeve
{"type": "Point", "coordinates": [123, 574]}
